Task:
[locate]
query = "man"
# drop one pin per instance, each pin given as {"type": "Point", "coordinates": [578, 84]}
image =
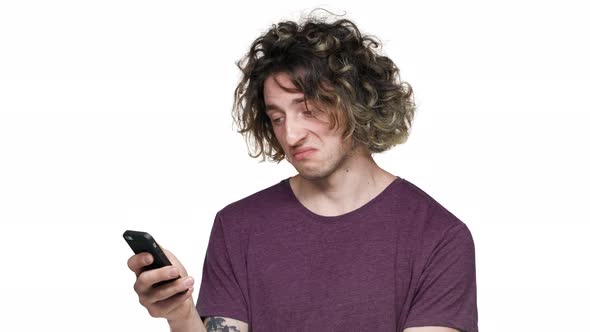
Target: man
{"type": "Point", "coordinates": [344, 245]}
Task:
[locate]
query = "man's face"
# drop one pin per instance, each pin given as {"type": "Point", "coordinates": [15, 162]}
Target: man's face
{"type": "Point", "coordinates": [309, 145]}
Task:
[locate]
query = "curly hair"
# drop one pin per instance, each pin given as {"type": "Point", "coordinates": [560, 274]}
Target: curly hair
{"type": "Point", "coordinates": [333, 65]}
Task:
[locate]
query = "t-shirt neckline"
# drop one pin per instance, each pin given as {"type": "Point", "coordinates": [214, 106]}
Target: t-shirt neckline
{"type": "Point", "coordinates": [348, 216]}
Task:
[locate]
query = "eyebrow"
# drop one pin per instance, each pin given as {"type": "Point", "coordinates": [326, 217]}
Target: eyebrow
{"type": "Point", "coordinates": [273, 107]}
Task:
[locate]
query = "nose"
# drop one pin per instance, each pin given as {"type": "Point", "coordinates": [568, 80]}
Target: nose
{"type": "Point", "coordinates": [295, 131]}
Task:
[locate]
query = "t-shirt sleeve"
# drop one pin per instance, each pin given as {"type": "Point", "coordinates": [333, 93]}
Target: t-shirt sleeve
{"type": "Point", "coordinates": [223, 284]}
{"type": "Point", "coordinates": [446, 294]}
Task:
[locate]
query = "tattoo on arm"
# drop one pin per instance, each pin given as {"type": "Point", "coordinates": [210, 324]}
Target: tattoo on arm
{"type": "Point", "coordinates": [218, 324]}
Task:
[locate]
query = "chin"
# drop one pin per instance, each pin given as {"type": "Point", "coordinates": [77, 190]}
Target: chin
{"type": "Point", "coordinates": [311, 177]}
{"type": "Point", "coordinates": [323, 171]}
{"type": "Point", "coordinates": [315, 174]}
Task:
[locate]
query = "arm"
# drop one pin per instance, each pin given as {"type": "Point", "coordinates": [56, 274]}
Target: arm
{"type": "Point", "coordinates": [216, 323]}
{"type": "Point", "coordinates": [430, 329]}
{"type": "Point", "coordinates": [192, 323]}
{"type": "Point", "coordinates": [446, 292]}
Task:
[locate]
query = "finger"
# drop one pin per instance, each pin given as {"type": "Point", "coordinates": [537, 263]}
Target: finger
{"type": "Point", "coordinates": [147, 279]}
{"type": "Point", "coordinates": [170, 256]}
{"type": "Point", "coordinates": [166, 291]}
{"type": "Point", "coordinates": [164, 307]}
{"type": "Point", "coordinates": [175, 262]}
{"type": "Point", "coordinates": [137, 262]}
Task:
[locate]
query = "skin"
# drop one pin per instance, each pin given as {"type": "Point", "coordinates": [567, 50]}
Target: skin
{"type": "Point", "coordinates": [162, 301]}
{"type": "Point", "coordinates": [339, 176]}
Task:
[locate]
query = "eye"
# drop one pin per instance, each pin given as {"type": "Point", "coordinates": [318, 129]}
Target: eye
{"type": "Point", "coordinates": [277, 120]}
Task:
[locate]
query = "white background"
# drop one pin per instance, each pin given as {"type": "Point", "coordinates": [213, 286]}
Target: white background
{"type": "Point", "coordinates": [115, 115]}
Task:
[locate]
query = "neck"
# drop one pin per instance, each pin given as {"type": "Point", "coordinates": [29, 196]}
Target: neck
{"type": "Point", "coordinates": [358, 180]}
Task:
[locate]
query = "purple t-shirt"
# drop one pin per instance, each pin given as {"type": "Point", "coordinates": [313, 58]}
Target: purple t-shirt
{"type": "Point", "coordinates": [400, 260]}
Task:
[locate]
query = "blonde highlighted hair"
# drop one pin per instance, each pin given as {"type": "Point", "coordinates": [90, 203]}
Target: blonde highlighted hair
{"type": "Point", "coordinates": [333, 65]}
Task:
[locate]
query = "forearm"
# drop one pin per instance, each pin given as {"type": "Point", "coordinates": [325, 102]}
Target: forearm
{"type": "Point", "coordinates": [191, 324]}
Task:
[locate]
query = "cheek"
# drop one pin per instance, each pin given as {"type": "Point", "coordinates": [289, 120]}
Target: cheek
{"type": "Point", "coordinates": [280, 137]}
{"type": "Point", "coordinates": [323, 131]}
{"type": "Point", "coordinates": [277, 133]}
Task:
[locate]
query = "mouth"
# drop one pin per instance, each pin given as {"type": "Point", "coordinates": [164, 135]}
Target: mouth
{"type": "Point", "coordinates": [299, 155]}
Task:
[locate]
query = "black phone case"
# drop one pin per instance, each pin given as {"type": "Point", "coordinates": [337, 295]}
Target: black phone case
{"type": "Point", "coordinates": [144, 242]}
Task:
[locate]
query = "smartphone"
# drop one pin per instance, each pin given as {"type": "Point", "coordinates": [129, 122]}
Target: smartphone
{"type": "Point", "coordinates": [144, 242]}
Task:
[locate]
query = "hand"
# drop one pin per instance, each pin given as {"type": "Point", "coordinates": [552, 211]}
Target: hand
{"type": "Point", "coordinates": [173, 300]}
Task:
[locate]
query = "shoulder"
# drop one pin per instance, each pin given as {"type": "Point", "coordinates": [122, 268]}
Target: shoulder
{"type": "Point", "coordinates": [257, 202]}
{"type": "Point", "coordinates": [256, 208]}
{"type": "Point", "coordinates": [235, 221]}
{"type": "Point", "coordinates": [426, 214]}
{"type": "Point", "coordinates": [436, 234]}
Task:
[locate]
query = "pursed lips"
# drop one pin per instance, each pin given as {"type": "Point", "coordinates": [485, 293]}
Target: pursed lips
{"type": "Point", "coordinates": [301, 152]}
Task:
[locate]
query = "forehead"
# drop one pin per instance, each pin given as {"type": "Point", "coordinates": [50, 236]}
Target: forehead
{"type": "Point", "coordinates": [280, 86]}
